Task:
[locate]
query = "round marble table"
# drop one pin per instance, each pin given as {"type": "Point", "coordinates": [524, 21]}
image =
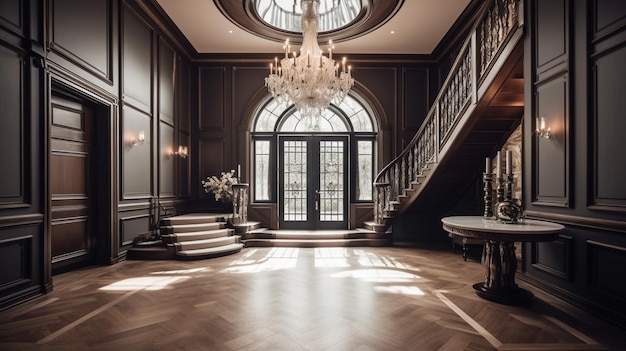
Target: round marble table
{"type": "Point", "coordinates": [498, 258]}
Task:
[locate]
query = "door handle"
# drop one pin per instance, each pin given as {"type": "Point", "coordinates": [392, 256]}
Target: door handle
{"type": "Point", "coordinates": [317, 207]}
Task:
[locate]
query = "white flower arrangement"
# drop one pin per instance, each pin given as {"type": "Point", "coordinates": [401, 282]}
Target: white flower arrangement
{"type": "Point", "coordinates": [221, 187]}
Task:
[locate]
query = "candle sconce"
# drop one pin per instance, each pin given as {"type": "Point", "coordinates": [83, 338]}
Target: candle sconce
{"type": "Point", "coordinates": [140, 140]}
{"type": "Point", "coordinates": [542, 129]}
{"type": "Point", "coordinates": [183, 151]}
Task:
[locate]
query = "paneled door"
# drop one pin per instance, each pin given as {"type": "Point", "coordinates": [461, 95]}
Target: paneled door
{"type": "Point", "coordinates": [71, 190]}
{"type": "Point", "coordinates": [313, 182]}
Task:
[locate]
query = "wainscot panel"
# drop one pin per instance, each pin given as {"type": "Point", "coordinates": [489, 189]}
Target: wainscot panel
{"type": "Point", "coordinates": [137, 62]}
{"type": "Point", "coordinates": [133, 226]}
{"type": "Point", "coordinates": [80, 32]}
{"type": "Point", "coordinates": [609, 187]}
{"type": "Point", "coordinates": [554, 257]}
{"type": "Point", "coordinates": [11, 15]}
{"type": "Point", "coordinates": [166, 82]}
{"type": "Point", "coordinates": [21, 250]}
{"type": "Point", "coordinates": [551, 155]}
{"type": "Point", "coordinates": [211, 96]}
{"type": "Point", "coordinates": [136, 171]}
{"type": "Point", "coordinates": [166, 163]}
{"type": "Point", "coordinates": [12, 91]}
{"type": "Point", "coordinates": [552, 40]}
{"type": "Point", "coordinates": [605, 270]}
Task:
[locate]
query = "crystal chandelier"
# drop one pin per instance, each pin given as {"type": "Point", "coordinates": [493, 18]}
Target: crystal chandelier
{"type": "Point", "coordinates": [311, 81]}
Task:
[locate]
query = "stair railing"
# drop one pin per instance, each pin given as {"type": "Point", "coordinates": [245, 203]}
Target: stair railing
{"type": "Point", "coordinates": [497, 22]}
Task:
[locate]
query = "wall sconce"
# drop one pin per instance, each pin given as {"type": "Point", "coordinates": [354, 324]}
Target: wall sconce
{"type": "Point", "coordinates": [141, 139]}
{"type": "Point", "coordinates": [183, 151]}
{"type": "Point", "coordinates": [542, 129]}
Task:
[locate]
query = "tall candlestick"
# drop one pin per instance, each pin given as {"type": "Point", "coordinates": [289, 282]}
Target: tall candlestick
{"type": "Point", "coordinates": [488, 165]}
{"type": "Point", "coordinates": [498, 165]}
{"type": "Point", "coordinates": [238, 171]}
{"type": "Point", "coordinates": [287, 47]}
{"type": "Point", "coordinates": [509, 162]}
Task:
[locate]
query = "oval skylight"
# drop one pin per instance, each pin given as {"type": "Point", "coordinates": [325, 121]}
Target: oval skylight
{"type": "Point", "coordinates": [286, 14]}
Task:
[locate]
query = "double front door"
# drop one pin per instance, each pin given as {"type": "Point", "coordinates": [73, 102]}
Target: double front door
{"type": "Point", "coordinates": [313, 182]}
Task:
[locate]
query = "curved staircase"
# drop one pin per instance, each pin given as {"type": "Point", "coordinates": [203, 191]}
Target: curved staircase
{"type": "Point", "coordinates": [480, 104]}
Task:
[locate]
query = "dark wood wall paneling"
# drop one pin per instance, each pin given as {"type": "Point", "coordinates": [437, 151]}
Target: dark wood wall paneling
{"type": "Point", "coordinates": [137, 67]}
{"type": "Point", "coordinates": [183, 104]}
{"type": "Point", "coordinates": [167, 141]}
{"type": "Point", "coordinates": [551, 99]}
{"type": "Point", "coordinates": [156, 99]}
{"type": "Point", "coordinates": [90, 52]}
{"type": "Point", "coordinates": [577, 49]}
{"type": "Point", "coordinates": [13, 101]}
{"type": "Point", "coordinates": [117, 59]}
{"type": "Point", "coordinates": [22, 239]}
{"type": "Point", "coordinates": [213, 138]}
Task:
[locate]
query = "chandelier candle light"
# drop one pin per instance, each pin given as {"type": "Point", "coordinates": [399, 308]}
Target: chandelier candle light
{"type": "Point", "coordinates": [311, 81]}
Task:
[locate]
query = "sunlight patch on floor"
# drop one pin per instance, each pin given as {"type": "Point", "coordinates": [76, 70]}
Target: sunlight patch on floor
{"type": "Point", "coordinates": [331, 257]}
{"type": "Point", "coordinates": [378, 275]}
{"type": "Point", "coordinates": [144, 283]}
{"type": "Point", "coordinates": [276, 259]}
{"type": "Point", "coordinates": [370, 259]}
{"type": "Point", "coordinates": [401, 289]}
{"type": "Point", "coordinates": [184, 271]}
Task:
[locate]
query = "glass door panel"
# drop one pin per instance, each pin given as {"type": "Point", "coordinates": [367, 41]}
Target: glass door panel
{"type": "Point", "coordinates": [294, 178]}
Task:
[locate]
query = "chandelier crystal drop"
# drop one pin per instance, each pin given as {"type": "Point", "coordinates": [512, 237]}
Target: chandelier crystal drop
{"type": "Point", "coordinates": [311, 81]}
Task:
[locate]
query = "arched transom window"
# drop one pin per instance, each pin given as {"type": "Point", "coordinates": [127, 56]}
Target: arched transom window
{"type": "Point", "coordinates": [351, 119]}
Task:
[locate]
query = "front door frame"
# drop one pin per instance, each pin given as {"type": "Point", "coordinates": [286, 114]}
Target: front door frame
{"type": "Point", "coordinates": [106, 250]}
{"type": "Point", "coordinates": [313, 204]}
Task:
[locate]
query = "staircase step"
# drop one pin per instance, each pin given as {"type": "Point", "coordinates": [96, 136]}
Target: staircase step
{"type": "Point", "coordinates": [190, 228]}
{"type": "Point", "coordinates": [315, 243]}
{"type": "Point", "coordinates": [210, 252]}
{"type": "Point", "coordinates": [246, 227]}
{"type": "Point", "coordinates": [305, 235]}
{"type": "Point", "coordinates": [206, 243]}
{"type": "Point", "coordinates": [194, 218]}
{"type": "Point", "coordinates": [376, 227]}
{"type": "Point", "coordinates": [192, 236]}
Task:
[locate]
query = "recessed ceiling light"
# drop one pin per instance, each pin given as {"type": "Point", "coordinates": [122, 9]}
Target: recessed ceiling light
{"type": "Point", "coordinates": [393, 32]}
{"type": "Point", "coordinates": [230, 31]}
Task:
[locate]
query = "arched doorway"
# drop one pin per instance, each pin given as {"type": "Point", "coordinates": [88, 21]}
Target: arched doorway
{"type": "Point", "coordinates": [313, 174]}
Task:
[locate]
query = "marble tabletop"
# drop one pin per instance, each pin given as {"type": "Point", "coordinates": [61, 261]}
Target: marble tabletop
{"type": "Point", "coordinates": [490, 229]}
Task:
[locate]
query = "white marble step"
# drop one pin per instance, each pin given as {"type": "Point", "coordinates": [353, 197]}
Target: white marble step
{"type": "Point", "coordinates": [194, 218]}
{"type": "Point", "coordinates": [202, 235]}
{"type": "Point", "coordinates": [206, 243]}
{"type": "Point", "coordinates": [190, 228]}
{"type": "Point", "coordinates": [211, 251]}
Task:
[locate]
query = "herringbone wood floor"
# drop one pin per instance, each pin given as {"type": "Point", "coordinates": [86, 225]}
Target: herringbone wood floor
{"type": "Point", "coordinates": [292, 299]}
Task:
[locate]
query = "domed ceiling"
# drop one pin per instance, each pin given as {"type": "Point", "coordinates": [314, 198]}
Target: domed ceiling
{"type": "Point", "coordinates": [365, 26]}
